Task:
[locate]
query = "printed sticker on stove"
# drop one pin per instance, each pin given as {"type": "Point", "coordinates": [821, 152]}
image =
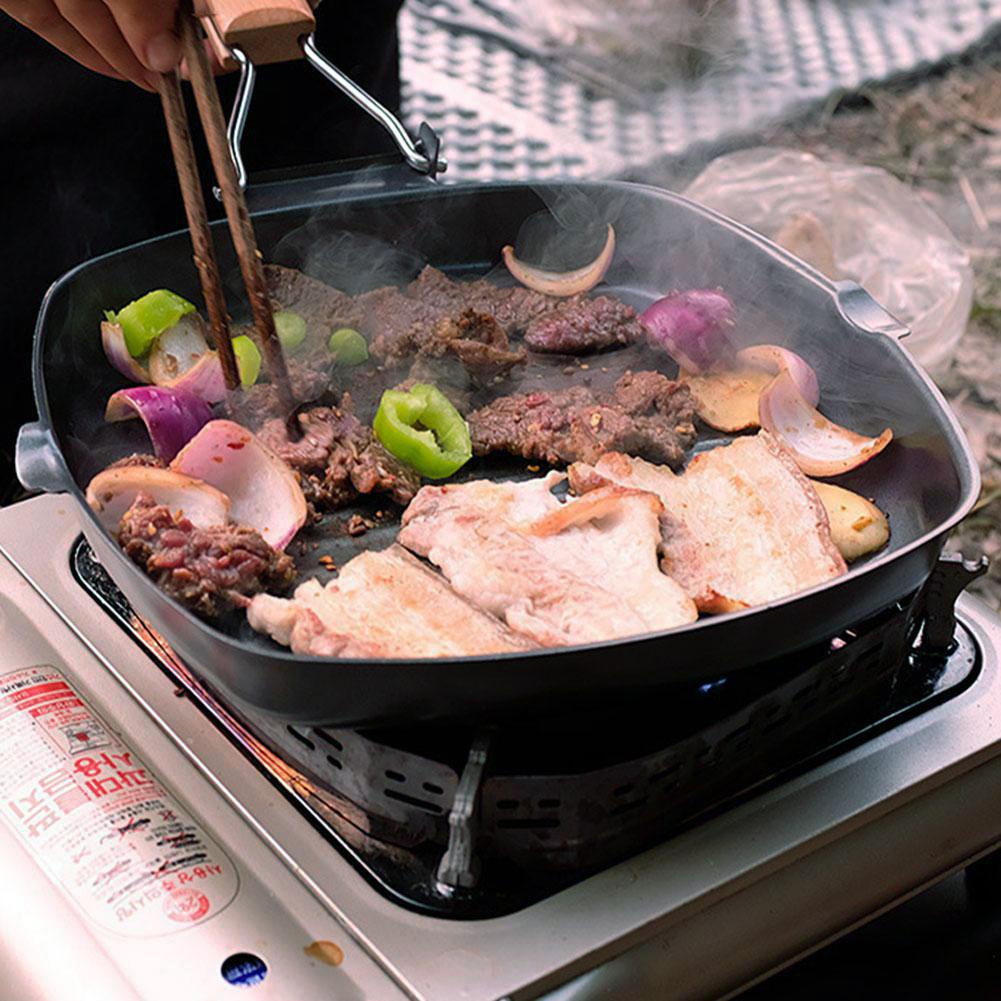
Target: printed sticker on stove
{"type": "Point", "coordinates": [104, 828]}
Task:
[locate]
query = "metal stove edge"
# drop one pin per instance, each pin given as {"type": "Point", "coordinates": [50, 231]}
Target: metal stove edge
{"type": "Point", "coordinates": [898, 812]}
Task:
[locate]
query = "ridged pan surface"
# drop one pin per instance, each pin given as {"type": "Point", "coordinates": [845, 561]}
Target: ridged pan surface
{"type": "Point", "coordinates": [926, 479]}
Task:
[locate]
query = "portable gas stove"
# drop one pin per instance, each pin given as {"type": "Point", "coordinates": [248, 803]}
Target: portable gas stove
{"type": "Point", "coordinates": [171, 841]}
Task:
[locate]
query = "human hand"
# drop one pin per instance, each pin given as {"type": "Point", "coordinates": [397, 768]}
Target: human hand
{"type": "Point", "coordinates": [124, 39]}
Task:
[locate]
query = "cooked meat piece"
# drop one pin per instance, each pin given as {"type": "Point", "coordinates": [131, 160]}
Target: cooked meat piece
{"type": "Point", "coordinates": [139, 459]}
{"type": "Point", "coordinates": [206, 569]}
{"type": "Point", "coordinates": [338, 458]}
{"type": "Point", "coordinates": [397, 326]}
{"type": "Point", "coordinates": [402, 328]}
{"type": "Point", "coordinates": [437, 317]}
{"type": "Point", "coordinates": [643, 392]}
{"type": "Point", "coordinates": [321, 428]}
{"type": "Point", "coordinates": [513, 307]}
{"type": "Point", "coordinates": [742, 525]}
{"type": "Point", "coordinates": [377, 471]}
{"type": "Point", "coordinates": [476, 339]}
{"type": "Point", "coordinates": [577, 326]}
{"type": "Point", "coordinates": [322, 306]}
{"type": "Point", "coordinates": [356, 525]}
{"type": "Point", "coordinates": [581, 572]}
{"type": "Point", "coordinates": [648, 414]}
{"type": "Point", "coordinates": [383, 604]}
{"type": "Point", "coordinates": [259, 403]}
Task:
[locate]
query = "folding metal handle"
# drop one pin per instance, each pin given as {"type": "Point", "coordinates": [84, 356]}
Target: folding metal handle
{"type": "Point", "coordinates": [424, 161]}
{"type": "Point", "coordinates": [422, 155]}
{"type": "Point", "coordinates": [268, 31]}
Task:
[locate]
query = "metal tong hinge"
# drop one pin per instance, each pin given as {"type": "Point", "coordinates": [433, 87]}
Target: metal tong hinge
{"type": "Point", "coordinates": [422, 155]}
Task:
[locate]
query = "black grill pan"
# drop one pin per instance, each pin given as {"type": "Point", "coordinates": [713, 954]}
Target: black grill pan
{"type": "Point", "coordinates": [927, 479]}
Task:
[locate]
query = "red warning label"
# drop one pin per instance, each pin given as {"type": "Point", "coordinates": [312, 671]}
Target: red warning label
{"type": "Point", "coordinates": [96, 819]}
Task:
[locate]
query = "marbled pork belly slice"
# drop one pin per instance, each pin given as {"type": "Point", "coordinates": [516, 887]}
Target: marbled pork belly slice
{"type": "Point", "coordinates": [742, 525]}
{"type": "Point", "coordinates": [383, 604]}
{"type": "Point", "coordinates": [579, 572]}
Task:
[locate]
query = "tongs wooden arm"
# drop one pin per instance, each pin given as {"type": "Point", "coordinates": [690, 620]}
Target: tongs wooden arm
{"type": "Point", "coordinates": [266, 20]}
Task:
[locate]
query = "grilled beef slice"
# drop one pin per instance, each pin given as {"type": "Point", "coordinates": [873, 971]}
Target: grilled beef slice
{"type": "Point", "coordinates": [206, 569]}
{"type": "Point", "coordinates": [578, 326]}
{"type": "Point", "coordinates": [403, 327]}
{"type": "Point", "coordinates": [337, 458]}
{"type": "Point", "coordinates": [647, 414]}
{"type": "Point", "coordinates": [257, 404]}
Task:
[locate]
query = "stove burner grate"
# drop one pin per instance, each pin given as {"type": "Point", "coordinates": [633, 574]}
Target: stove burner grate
{"type": "Point", "coordinates": [475, 823]}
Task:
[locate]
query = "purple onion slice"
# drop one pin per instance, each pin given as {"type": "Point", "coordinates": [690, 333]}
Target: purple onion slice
{"type": "Point", "coordinates": [172, 416]}
{"type": "Point", "coordinates": [113, 340]}
{"type": "Point", "coordinates": [692, 326]}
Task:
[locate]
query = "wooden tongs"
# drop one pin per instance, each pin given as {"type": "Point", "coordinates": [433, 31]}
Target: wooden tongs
{"type": "Point", "coordinates": [295, 15]}
{"type": "Point", "coordinates": [249, 33]}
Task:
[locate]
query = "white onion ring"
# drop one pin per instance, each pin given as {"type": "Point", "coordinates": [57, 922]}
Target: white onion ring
{"type": "Point", "coordinates": [263, 489]}
{"type": "Point", "coordinates": [728, 399]}
{"type": "Point", "coordinates": [818, 446]}
{"type": "Point", "coordinates": [204, 379]}
{"type": "Point", "coordinates": [113, 340]}
{"type": "Point", "coordinates": [113, 491]}
{"type": "Point", "coordinates": [562, 283]}
{"type": "Point", "coordinates": [774, 359]}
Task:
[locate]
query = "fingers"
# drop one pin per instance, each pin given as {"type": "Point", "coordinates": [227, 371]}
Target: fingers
{"type": "Point", "coordinates": [148, 26]}
{"type": "Point", "coordinates": [93, 20]}
{"type": "Point", "coordinates": [43, 18]}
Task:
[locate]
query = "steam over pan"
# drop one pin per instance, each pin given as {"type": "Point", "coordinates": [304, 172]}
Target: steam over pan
{"type": "Point", "coordinates": [926, 479]}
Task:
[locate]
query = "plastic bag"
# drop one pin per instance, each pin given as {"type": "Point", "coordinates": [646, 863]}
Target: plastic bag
{"type": "Point", "coordinates": [862, 223]}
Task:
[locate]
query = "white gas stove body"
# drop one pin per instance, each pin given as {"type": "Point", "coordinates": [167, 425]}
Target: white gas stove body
{"type": "Point", "coordinates": [701, 916]}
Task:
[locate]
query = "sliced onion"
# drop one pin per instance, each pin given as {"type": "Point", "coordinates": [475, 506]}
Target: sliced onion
{"type": "Point", "coordinates": [264, 491]}
{"type": "Point", "coordinates": [204, 379]}
{"type": "Point", "coordinates": [562, 283]}
{"type": "Point", "coordinates": [177, 349]}
{"type": "Point", "coordinates": [727, 399]}
{"type": "Point", "coordinates": [818, 446]}
{"type": "Point", "coordinates": [691, 326]}
{"type": "Point", "coordinates": [112, 492]}
{"type": "Point", "coordinates": [772, 358]}
{"type": "Point", "coordinates": [117, 353]}
{"type": "Point", "coordinates": [172, 416]}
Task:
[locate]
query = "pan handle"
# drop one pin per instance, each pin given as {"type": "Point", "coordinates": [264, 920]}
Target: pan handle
{"type": "Point", "coordinates": [37, 460]}
{"type": "Point", "coordinates": [862, 311]}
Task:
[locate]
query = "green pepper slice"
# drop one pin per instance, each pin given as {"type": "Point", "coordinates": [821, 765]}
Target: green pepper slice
{"type": "Point", "coordinates": [248, 360]}
{"type": "Point", "coordinates": [291, 329]}
{"type": "Point", "coordinates": [143, 320]}
{"type": "Point", "coordinates": [348, 347]}
{"type": "Point", "coordinates": [424, 430]}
